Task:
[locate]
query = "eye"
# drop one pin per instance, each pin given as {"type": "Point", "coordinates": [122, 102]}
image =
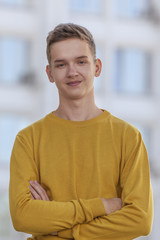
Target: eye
{"type": "Point", "coordinates": [82, 62]}
{"type": "Point", "coordinates": [61, 65]}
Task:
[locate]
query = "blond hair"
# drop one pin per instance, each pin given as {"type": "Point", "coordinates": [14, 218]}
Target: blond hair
{"type": "Point", "coordinates": [66, 31]}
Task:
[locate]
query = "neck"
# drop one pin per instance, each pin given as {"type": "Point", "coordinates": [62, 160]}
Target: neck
{"type": "Point", "coordinates": [77, 109]}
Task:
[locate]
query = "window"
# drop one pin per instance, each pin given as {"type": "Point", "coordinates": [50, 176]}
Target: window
{"type": "Point", "coordinates": [93, 6]}
{"type": "Point", "coordinates": [14, 60]}
{"type": "Point", "coordinates": [20, 3]}
{"type": "Point", "coordinates": [132, 71]}
{"type": "Point", "coordinates": [132, 8]}
{"type": "Point", "coordinates": [9, 126]}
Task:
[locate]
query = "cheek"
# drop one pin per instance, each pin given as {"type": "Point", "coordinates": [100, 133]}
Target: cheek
{"type": "Point", "coordinates": [87, 71]}
{"type": "Point", "coordinates": [59, 75]}
{"type": "Point", "coordinates": [91, 75]}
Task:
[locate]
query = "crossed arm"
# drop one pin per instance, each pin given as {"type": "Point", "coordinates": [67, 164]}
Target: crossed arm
{"type": "Point", "coordinates": [91, 218]}
{"type": "Point", "coordinates": [38, 193]}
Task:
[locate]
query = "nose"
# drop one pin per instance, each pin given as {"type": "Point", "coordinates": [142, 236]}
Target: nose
{"type": "Point", "coordinates": [72, 71]}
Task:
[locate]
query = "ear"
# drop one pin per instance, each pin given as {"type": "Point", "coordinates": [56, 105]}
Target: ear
{"type": "Point", "coordinates": [49, 74]}
{"type": "Point", "coordinates": [98, 67]}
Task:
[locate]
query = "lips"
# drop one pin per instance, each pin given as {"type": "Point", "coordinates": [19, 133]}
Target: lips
{"type": "Point", "coordinates": [74, 83]}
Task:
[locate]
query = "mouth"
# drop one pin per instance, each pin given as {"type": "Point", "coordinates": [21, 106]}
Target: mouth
{"type": "Point", "coordinates": [74, 83]}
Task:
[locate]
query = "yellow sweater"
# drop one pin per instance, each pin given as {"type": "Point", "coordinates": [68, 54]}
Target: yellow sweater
{"type": "Point", "coordinates": [78, 163]}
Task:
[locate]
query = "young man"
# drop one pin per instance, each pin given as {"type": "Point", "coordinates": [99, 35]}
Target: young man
{"type": "Point", "coordinates": [80, 172]}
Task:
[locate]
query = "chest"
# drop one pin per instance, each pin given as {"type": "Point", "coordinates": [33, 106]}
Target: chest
{"type": "Point", "coordinates": [81, 164]}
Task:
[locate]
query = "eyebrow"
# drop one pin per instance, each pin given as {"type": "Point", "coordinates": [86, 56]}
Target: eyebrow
{"type": "Point", "coordinates": [62, 60]}
{"type": "Point", "coordinates": [81, 57]}
{"type": "Point", "coordinates": [58, 60]}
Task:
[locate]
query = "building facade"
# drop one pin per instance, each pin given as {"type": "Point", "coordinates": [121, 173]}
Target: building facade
{"type": "Point", "coordinates": [127, 35]}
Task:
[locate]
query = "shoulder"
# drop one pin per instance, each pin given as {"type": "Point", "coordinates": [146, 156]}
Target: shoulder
{"type": "Point", "coordinates": [122, 131]}
{"type": "Point", "coordinates": [121, 125]}
{"type": "Point", "coordinates": [35, 128]}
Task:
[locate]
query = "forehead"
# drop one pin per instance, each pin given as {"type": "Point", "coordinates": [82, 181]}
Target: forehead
{"type": "Point", "coordinates": [70, 48]}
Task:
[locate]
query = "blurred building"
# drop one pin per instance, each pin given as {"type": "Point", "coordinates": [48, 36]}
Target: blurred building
{"type": "Point", "coordinates": [127, 35]}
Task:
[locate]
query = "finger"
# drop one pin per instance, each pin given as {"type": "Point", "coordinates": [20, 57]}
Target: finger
{"type": "Point", "coordinates": [54, 234]}
{"type": "Point", "coordinates": [40, 190]}
{"type": "Point", "coordinates": [34, 193]}
{"type": "Point", "coordinates": [32, 196]}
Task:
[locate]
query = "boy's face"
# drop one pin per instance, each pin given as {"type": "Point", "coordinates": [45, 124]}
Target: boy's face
{"type": "Point", "coordinates": [73, 68]}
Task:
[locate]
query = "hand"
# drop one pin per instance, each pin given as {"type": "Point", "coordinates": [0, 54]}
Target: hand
{"type": "Point", "coordinates": [54, 234]}
{"type": "Point", "coordinates": [112, 204]}
{"type": "Point", "coordinates": [39, 193]}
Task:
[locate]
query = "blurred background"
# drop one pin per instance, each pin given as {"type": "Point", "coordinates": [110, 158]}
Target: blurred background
{"type": "Point", "coordinates": [127, 35]}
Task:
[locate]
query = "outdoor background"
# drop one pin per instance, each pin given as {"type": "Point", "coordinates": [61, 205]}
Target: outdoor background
{"type": "Point", "coordinates": [127, 35]}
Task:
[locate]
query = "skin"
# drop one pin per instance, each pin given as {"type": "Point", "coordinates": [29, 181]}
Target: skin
{"type": "Point", "coordinates": [72, 69]}
{"type": "Point", "coordinates": [73, 62]}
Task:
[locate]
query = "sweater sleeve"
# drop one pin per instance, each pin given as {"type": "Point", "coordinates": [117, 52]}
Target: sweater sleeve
{"type": "Point", "coordinates": [135, 217]}
{"type": "Point", "coordinates": [37, 216]}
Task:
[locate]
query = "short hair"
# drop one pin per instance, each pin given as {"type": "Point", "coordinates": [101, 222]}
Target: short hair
{"type": "Point", "coordinates": [67, 31]}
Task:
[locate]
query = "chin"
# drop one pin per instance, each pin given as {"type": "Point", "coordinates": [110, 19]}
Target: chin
{"type": "Point", "coordinates": [75, 97]}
